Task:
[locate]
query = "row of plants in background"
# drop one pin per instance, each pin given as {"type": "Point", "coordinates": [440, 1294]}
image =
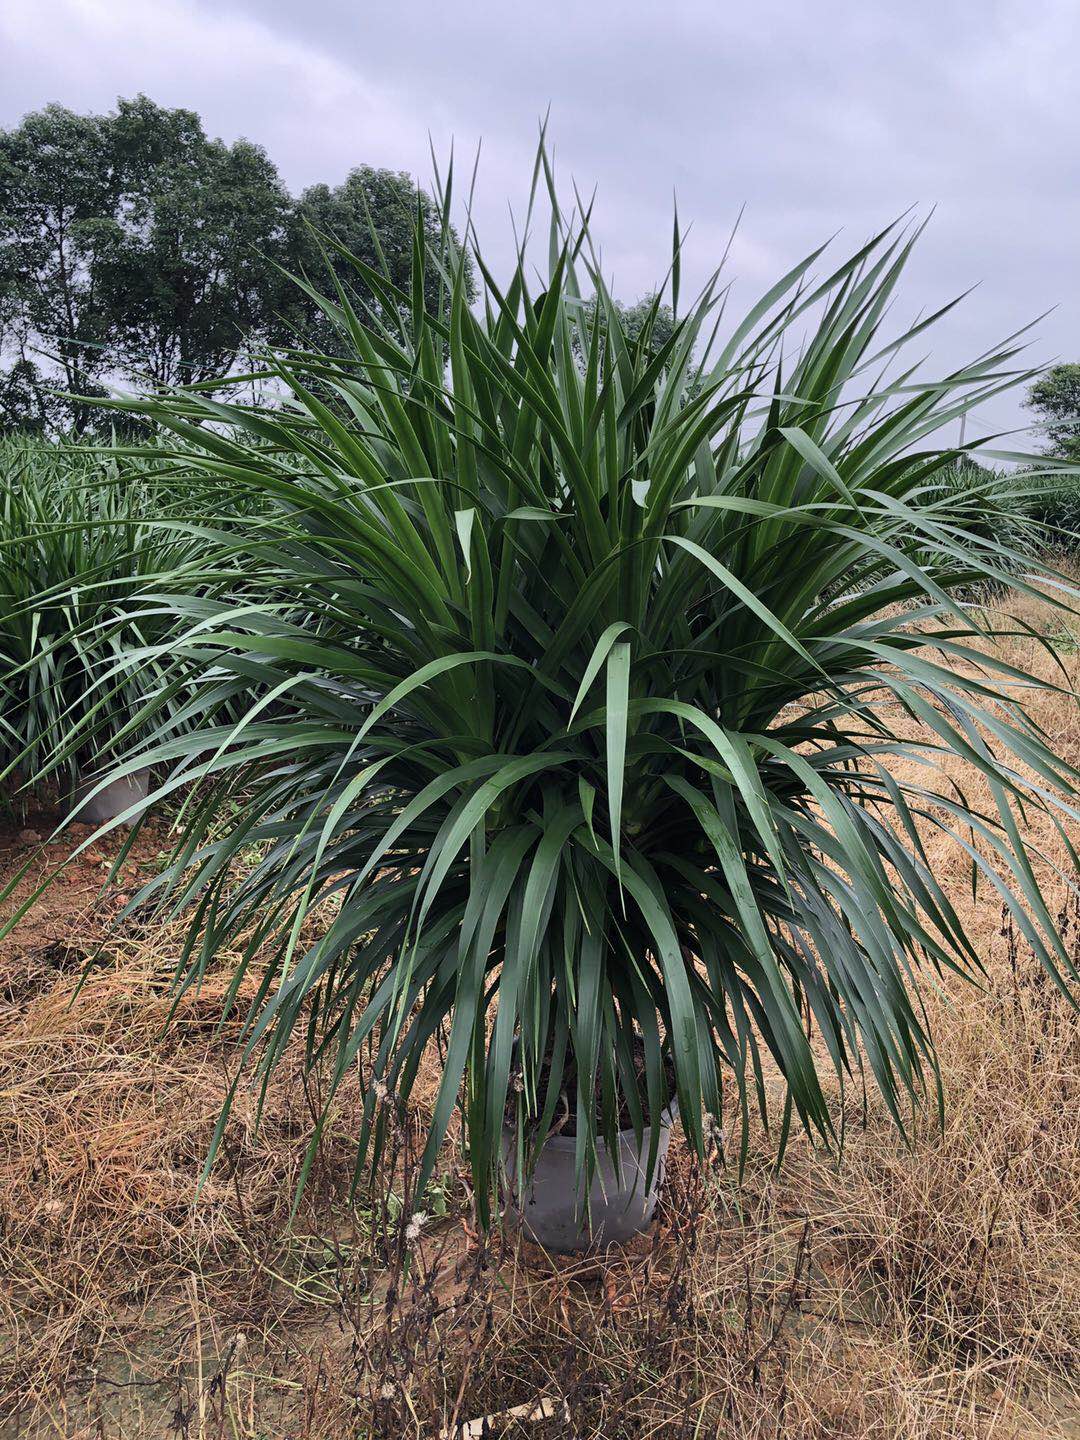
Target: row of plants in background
{"type": "Point", "coordinates": [89, 544]}
{"type": "Point", "coordinates": [1033, 507]}
{"type": "Point", "coordinates": [575, 696]}
{"type": "Point", "coordinates": [1055, 506]}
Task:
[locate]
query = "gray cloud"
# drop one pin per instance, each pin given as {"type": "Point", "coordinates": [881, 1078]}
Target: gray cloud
{"type": "Point", "coordinates": [836, 114]}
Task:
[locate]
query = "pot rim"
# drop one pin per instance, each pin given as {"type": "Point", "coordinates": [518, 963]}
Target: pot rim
{"type": "Point", "coordinates": [569, 1142]}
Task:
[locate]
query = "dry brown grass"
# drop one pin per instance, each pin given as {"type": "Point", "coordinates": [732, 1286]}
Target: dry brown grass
{"type": "Point", "coordinates": [930, 1290]}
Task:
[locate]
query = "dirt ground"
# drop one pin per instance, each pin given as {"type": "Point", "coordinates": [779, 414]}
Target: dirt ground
{"type": "Point", "coordinates": [929, 1289]}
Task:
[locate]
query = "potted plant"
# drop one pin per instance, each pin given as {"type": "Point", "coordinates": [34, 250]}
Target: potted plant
{"type": "Point", "coordinates": [599, 652]}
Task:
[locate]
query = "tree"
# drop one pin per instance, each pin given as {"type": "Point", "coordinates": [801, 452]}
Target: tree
{"type": "Point", "coordinates": [1055, 398]}
{"type": "Point", "coordinates": [634, 318]}
{"type": "Point", "coordinates": [132, 243]}
{"type": "Point", "coordinates": [369, 203]}
{"type": "Point", "coordinates": [26, 406]}
{"type": "Point", "coordinates": [187, 274]}
{"type": "Point", "coordinates": [134, 246]}
{"type": "Point", "coordinates": [56, 184]}
{"type": "Point", "coordinates": [649, 310]}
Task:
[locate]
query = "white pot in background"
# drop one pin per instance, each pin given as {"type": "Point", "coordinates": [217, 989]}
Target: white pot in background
{"type": "Point", "coordinates": [111, 800]}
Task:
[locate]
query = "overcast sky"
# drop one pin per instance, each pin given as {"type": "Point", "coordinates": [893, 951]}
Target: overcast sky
{"type": "Point", "coordinates": [818, 115]}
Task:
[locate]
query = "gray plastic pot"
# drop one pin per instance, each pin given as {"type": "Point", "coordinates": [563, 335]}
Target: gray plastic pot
{"type": "Point", "coordinates": [547, 1205]}
{"type": "Point", "coordinates": [111, 800]}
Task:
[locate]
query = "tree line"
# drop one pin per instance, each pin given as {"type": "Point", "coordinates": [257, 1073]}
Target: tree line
{"type": "Point", "coordinates": [136, 248]}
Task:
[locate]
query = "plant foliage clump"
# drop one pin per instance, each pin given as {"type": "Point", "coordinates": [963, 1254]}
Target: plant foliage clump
{"type": "Point", "coordinates": [583, 666]}
{"type": "Point", "coordinates": [84, 541]}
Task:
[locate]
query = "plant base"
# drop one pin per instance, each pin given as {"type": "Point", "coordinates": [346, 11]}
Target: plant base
{"type": "Point", "coordinates": [620, 1207]}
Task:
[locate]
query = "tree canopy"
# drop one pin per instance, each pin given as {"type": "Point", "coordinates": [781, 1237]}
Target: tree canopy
{"type": "Point", "coordinates": [131, 244]}
{"type": "Point", "coordinates": [1055, 398]}
{"type": "Point", "coordinates": [135, 248]}
{"type": "Point", "coordinates": [372, 214]}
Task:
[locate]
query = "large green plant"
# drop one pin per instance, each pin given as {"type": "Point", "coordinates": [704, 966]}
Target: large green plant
{"type": "Point", "coordinates": [84, 541]}
{"type": "Point", "coordinates": [607, 655]}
